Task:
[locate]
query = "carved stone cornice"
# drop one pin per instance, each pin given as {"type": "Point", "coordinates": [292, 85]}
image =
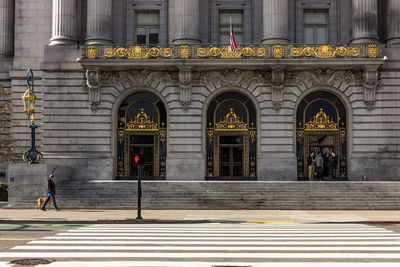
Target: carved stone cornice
{"type": "Point", "coordinates": [232, 77]}
{"type": "Point", "coordinates": [185, 84]}
{"type": "Point", "coordinates": [323, 77]}
{"type": "Point", "coordinates": [93, 82]}
{"type": "Point", "coordinates": [371, 84]}
{"type": "Point", "coordinates": [143, 77]}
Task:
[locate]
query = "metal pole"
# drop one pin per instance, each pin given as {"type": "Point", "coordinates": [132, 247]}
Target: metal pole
{"type": "Point", "coordinates": [139, 193]}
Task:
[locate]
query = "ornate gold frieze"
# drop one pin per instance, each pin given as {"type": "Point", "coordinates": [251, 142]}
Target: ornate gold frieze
{"type": "Point", "coordinates": [137, 52]}
{"type": "Point", "coordinates": [325, 51]}
{"type": "Point", "coordinates": [198, 51]}
{"type": "Point", "coordinates": [321, 121]}
{"type": "Point", "coordinates": [231, 121]}
{"type": "Point", "coordinates": [142, 121]}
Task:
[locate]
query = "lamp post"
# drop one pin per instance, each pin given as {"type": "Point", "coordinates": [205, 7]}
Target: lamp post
{"type": "Point", "coordinates": [32, 156]}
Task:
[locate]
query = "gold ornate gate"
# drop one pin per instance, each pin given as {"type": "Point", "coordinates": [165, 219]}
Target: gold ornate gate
{"type": "Point", "coordinates": [141, 126]}
{"type": "Point", "coordinates": [321, 134]}
{"type": "Point", "coordinates": [231, 132]}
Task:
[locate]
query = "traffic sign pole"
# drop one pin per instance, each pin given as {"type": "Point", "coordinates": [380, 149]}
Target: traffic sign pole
{"type": "Point", "coordinates": [139, 193]}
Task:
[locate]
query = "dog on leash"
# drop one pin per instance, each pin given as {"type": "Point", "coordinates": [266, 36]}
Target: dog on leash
{"type": "Point", "coordinates": [40, 202]}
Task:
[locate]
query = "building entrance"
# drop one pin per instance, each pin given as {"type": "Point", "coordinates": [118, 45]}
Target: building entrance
{"type": "Point", "coordinates": [231, 155]}
{"type": "Point", "coordinates": [142, 130]}
{"type": "Point", "coordinates": [231, 138]}
{"type": "Point", "coordinates": [321, 128]}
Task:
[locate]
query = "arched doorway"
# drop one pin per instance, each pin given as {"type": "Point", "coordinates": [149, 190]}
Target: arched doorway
{"type": "Point", "coordinates": [231, 138]}
{"type": "Point", "coordinates": [321, 127]}
{"type": "Point", "coordinates": [142, 129]}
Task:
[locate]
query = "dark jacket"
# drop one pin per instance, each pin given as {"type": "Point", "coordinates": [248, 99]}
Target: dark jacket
{"type": "Point", "coordinates": [51, 186]}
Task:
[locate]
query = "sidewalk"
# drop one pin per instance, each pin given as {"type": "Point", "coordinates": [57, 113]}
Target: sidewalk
{"type": "Point", "coordinates": [193, 216]}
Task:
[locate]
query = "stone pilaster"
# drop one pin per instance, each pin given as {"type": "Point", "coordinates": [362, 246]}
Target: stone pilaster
{"type": "Point", "coordinates": [99, 22]}
{"type": "Point", "coordinates": [64, 25]}
{"type": "Point", "coordinates": [365, 21]}
{"type": "Point", "coordinates": [393, 23]}
{"type": "Point", "coordinates": [7, 9]}
{"type": "Point", "coordinates": [187, 21]}
{"type": "Point", "coordinates": [275, 21]}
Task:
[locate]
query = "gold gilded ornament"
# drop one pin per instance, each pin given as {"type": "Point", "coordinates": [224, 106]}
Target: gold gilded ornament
{"type": "Point", "coordinates": [184, 51]}
{"type": "Point", "coordinates": [372, 50]}
{"type": "Point", "coordinates": [277, 51]}
{"type": "Point", "coordinates": [91, 52]}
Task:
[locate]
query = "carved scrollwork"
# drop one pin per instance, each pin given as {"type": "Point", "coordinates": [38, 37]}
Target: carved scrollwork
{"type": "Point", "coordinates": [185, 80]}
{"type": "Point", "coordinates": [371, 85]}
{"type": "Point", "coordinates": [322, 77]}
{"type": "Point", "coordinates": [277, 84]}
{"type": "Point", "coordinates": [93, 83]}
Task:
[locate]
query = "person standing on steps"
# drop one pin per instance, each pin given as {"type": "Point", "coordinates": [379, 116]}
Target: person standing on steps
{"type": "Point", "coordinates": [51, 193]}
{"type": "Point", "coordinates": [319, 162]}
{"type": "Point", "coordinates": [311, 166]}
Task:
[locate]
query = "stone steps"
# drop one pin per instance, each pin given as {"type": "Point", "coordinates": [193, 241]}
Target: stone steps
{"type": "Point", "coordinates": [232, 195]}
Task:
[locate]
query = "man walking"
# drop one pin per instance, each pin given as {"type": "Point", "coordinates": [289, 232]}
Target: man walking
{"type": "Point", "coordinates": [319, 162]}
{"type": "Point", "coordinates": [51, 193]}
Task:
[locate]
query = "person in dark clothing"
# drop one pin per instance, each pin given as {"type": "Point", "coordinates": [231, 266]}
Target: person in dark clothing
{"type": "Point", "coordinates": [333, 162]}
{"type": "Point", "coordinates": [51, 193]}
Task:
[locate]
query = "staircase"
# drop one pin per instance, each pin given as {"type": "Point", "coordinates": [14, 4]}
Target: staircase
{"type": "Point", "coordinates": [216, 195]}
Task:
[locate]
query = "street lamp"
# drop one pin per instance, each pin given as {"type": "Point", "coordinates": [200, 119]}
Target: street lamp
{"type": "Point", "coordinates": [32, 156]}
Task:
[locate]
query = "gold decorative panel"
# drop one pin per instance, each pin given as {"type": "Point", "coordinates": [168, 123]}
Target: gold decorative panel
{"type": "Point", "coordinates": [231, 121]}
{"type": "Point", "coordinates": [142, 121]}
{"type": "Point", "coordinates": [321, 121]}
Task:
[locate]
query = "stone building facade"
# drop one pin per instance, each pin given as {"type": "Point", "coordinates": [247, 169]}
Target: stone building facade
{"type": "Point", "coordinates": [118, 77]}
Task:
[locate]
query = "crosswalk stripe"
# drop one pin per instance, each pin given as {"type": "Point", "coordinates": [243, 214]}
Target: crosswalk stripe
{"type": "Point", "coordinates": [254, 239]}
{"type": "Point", "coordinates": [228, 232]}
{"type": "Point", "coordinates": [258, 243]}
{"type": "Point", "coordinates": [211, 264]}
{"type": "Point", "coordinates": [207, 255]}
{"type": "Point", "coordinates": [209, 248]}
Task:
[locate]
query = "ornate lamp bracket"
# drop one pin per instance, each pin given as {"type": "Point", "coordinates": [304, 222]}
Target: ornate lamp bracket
{"type": "Point", "coordinates": [277, 85]}
{"type": "Point", "coordinates": [185, 83]}
{"type": "Point", "coordinates": [371, 84]}
{"type": "Point", "coordinates": [93, 83]}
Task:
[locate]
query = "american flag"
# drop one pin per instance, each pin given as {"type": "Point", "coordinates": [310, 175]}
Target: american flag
{"type": "Point", "coordinates": [232, 42]}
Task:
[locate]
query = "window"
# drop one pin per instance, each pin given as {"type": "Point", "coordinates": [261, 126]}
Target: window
{"type": "Point", "coordinates": [224, 25]}
{"type": "Point", "coordinates": [147, 27]}
{"type": "Point", "coordinates": [316, 26]}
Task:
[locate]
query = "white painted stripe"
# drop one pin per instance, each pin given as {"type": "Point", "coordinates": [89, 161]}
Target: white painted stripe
{"type": "Point", "coordinates": [203, 255]}
{"type": "Point", "coordinates": [225, 231]}
{"type": "Point", "coordinates": [209, 264]}
{"type": "Point", "coordinates": [230, 227]}
{"type": "Point", "coordinates": [235, 226]}
{"type": "Point", "coordinates": [373, 238]}
{"type": "Point", "coordinates": [208, 248]}
{"type": "Point", "coordinates": [252, 236]}
{"type": "Point", "coordinates": [119, 242]}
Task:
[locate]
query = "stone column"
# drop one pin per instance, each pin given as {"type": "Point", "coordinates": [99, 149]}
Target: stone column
{"type": "Point", "coordinates": [186, 21]}
{"type": "Point", "coordinates": [7, 8]}
{"type": "Point", "coordinates": [365, 21]}
{"type": "Point", "coordinates": [99, 22]}
{"type": "Point", "coordinates": [275, 13]}
{"type": "Point", "coordinates": [393, 23]}
{"type": "Point", "coordinates": [64, 28]}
